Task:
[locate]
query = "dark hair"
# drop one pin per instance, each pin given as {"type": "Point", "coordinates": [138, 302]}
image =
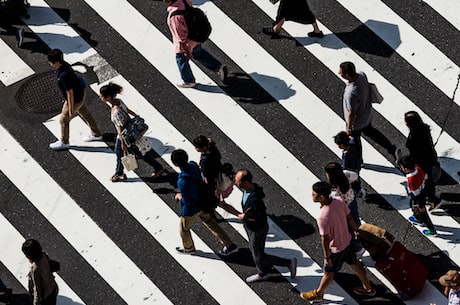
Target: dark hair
{"type": "Point", "coordinates": [348, 68]}
{"type": "Point", "coordinates": [342, 138]}
{"type": "Point", "coordinates": [246, 175]}
{"type": "Point", "coordinates": [179, 157]}
{"type": "Point", "coordinates": [202, 141]}
{"type": "Point", "coordinates": [56, 55]}
{"type": "Point", "coordinates": [337, 178]}
{"type": "Point", "coordinates": [414, 121]}
{"type": "Point", "coordinates": [110, 90]}
{"type": "Point", "coordinates": [407, 162]}
{"type": "Point", "coordinates": [322, 188]}
{"type": "Point", "coordinates": [32, 250]}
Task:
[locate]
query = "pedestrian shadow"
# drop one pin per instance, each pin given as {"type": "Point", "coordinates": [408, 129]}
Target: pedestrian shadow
{"type": "Point", "coordinates": [383, 169]}
{"type": "Point", "coordinates": [293, 226]}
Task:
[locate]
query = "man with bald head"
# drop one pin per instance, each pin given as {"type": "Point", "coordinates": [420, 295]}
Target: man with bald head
{"type": "Point", "coordinates": [254, 218]}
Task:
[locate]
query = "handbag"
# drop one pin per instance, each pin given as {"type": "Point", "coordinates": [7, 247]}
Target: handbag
{"type": "Point", "coordinates": [129, 162]}
{"type": "Point", "coordinates": [55, 266]}
{"type": "Point", "coordinates": [134, 129]}
{"type": "Point", "coordinates": [374, 94]}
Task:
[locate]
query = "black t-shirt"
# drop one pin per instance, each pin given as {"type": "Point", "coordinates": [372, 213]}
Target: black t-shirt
{"type": "Point", "coordinates": [67, 80]}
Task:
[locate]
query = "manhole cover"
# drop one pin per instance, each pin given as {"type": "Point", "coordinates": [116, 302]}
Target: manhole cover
{"type": "Point", "coordinates": [40, 94]}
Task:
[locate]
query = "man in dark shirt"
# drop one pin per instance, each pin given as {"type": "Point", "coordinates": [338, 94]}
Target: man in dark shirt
{"type": "Point", "coordinates": [255, 222]}
{"type": "Point", "coordinates": [73, 91]}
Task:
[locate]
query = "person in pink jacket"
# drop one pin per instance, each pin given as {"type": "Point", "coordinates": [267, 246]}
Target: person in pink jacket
{"type": "Point", "coordinates": [187, 49]}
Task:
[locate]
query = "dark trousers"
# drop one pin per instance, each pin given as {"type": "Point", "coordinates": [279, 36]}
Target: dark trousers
{"type": "Point", "coordinates": [264, 262]}
{"type": "Point", "coordinates": [376, 136]}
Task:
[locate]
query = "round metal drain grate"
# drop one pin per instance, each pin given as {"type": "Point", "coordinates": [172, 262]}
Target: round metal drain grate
{"type": "Point", "coordinates": [40, 94]}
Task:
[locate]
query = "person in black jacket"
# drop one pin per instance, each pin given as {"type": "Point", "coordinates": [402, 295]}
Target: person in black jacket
{"type": "Point", "coordinates": [422, 151]}
{"type": "Point", "coordinates": [255, 222]}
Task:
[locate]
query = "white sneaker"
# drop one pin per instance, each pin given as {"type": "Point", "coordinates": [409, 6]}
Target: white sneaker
{"type": "Point", "coordinates": [59, 145]}
{"type": "Point", "coordinates": [186, 85]}
{"type": "Point", "coordinates": [359, 253]}
{"type": "Point", "coordinates": [91, 138]}
{"type": "Point", "coordinates": [223, 73]}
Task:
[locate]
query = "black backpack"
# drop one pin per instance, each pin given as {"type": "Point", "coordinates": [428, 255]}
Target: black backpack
{"type": "Point", "coordinates": [198, 24]}
{"type": "Point", "coordinates": [207, 200]}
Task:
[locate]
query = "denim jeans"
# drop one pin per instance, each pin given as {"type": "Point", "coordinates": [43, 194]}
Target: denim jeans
{"type": "Point", "coordinates": [200, 55]}
{"type": "Point", "coordinates": [119, 153]}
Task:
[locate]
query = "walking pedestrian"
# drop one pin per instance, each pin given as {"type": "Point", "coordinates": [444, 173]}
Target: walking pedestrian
{"type": "Point", "coordinates": [416, 185]}
{"type": "Point", "coordinates": [333, 222]}
{"type": "Point", "coordinates": [44, 289]}
{"type": "Point", "coordinates": [422, 151]}
{"type": "Point", "coordinates": [350, 160]}
{"type": "Point", "coordinates": [451, 283]}
{"type": "Point", "coordinates": [73, 92]}
{"type": "Point", "coordinates": [211, 167]}
{"type": "Point", "coordinates": [357, 110]}
{"type": "Point", "coordinates": [187, 49]}
{"type": "Point", "coordinates": [255, 223]}
{"type": "Point", "coordinates": [297, 11]}
{"type": "Point", "coordinates": [188, 182]}
{"type": "Point", "coordinates": [119, 114]}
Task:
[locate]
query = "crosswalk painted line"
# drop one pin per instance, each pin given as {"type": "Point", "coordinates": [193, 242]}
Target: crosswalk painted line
{"type": "Point", "coordinates": [56, 205]}
{"type": "Point", "coordinates": [447, 147]}
{"type": "Point", "coordinates": [166, 133]}
{"type": "Point", "coordinates": [11, 255]}
{"type": "Point", "coordinates": [158, 218]}
{"type": "Point", "coordinates": [310, 111]}
{"type": "Point", "coordinates": [283, 167]}
{"type": "Point", "coordinates": [12, 67]}
{"type": "Point", "coordinates": [448, 9]}
{"type": "Point", "coordinates": [412, 46]}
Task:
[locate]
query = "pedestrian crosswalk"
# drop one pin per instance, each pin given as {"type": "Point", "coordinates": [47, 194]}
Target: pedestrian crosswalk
{"type": "Point", "coordinates": [277, 116]}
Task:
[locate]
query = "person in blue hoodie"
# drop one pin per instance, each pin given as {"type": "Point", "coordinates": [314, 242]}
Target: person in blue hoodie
{"type": "Point", "coordinates": [255, 222]}
{"type": "Point", "coordinates": [189, 182]}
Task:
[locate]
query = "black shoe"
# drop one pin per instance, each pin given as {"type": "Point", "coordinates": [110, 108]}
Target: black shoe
{"type": "Point", "coordinates": [228, 250]}
{"type": "Point", "coordinates": [269, 31]}
{"type": "Point", "coordinates": [316, 34]}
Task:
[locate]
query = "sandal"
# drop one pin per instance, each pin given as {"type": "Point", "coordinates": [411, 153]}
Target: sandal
{"type": "Point", "coordinates": [116, 178]}
{"type": "Point", "coordinates": [159, 173]}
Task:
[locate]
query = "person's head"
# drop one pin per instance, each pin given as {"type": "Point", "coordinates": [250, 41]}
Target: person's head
{"type": "Point", "coordinates": [413, 120]}
{"type": "Point", "coordinates": [336, 177]}
{"type": "Point", "coordinates": [169, 2]}
{"type": "Point", "coordinates": [32, 250]}
{"type": "Point", "coordinates": [321, 191]}
{"type": "Point", "coordinates": [407, 164]}
{"type": "Point", "coordinates": [55, 58]}
{"type": "Point", "coordinates": [243, 179]}
{"type": "Point", "coordinates": [450, 279]}
{"type": "Point", "coordinates": [201, 143]}
{"type": "Point", "coordinates": [179, 158]}
{"type": "Point", "coordinates": [108, 92]}
{"type": "Point", "coordinates": [347, 70]}
{"type": "Point", "coordinates": [342, 139]}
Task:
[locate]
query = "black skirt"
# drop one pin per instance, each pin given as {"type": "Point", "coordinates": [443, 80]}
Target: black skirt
{"type": "Point", "coordinates": [295, 10]}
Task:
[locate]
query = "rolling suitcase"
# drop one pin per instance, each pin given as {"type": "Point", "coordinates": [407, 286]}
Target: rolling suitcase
{"type": "Point", "coordinates": [403, 269]}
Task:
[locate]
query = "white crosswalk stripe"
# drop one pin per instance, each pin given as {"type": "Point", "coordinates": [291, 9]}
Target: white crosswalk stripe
{"type": "Point", "coordinates": [220, 280]}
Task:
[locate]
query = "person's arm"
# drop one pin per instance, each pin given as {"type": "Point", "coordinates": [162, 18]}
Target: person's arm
{"type": "Point", "coordinates": [70, 102]}
{"type": "Point", "coordinates": [350, 121]}
{"type": "Point", "coordinates": [325, 241]}
{"type": "Point", "coordinates": [229, 208]}
{"type": "Point", "coordinates": [446, 291]}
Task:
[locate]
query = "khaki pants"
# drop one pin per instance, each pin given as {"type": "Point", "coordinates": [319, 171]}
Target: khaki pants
{"type": "Point", "coordinates": [209, 221]}
{"type": "Point", "coordinates": [84, 113]}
